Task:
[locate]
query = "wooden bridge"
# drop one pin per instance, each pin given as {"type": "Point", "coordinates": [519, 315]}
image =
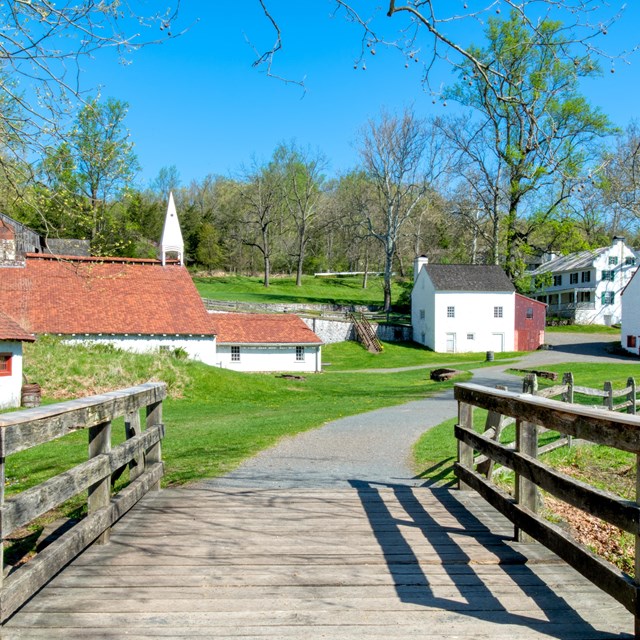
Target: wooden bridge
{"type": "Point", "coordinates": [370, 561]}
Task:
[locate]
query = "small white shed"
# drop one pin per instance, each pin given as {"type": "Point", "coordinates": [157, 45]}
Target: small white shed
{"type": "Point", "coordinates": [12, 335]}
{"type": "Point", "coordinates": [630, 323]}
{"type": "Point", "coordinates": [266, 342]}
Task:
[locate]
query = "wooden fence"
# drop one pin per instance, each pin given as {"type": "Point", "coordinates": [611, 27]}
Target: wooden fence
{"type": "Point", "coordinates": [617, 430]}
{"type": "Point", "coordinates": [140, 453]}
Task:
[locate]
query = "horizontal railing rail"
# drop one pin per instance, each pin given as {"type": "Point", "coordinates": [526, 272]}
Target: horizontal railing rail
{"type": "Point", "coordinates": [140, 453]}
{"type": "Point", "coordinates": [621, 431]}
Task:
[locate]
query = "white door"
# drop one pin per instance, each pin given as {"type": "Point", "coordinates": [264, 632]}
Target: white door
{"type": "Point", "coordinates": [451, 342]}
{"type": "Point", "coordinates": [497, 342]}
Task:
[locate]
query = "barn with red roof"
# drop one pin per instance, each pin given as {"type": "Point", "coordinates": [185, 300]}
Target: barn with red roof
{"type": "Point", "coordinates": [266, 342]}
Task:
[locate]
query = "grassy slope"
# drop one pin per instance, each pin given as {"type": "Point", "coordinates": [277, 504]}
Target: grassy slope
{"type": "Point", "coordinates": [584, 328]}
{"type": "Point", "coordinates": [283, 289]}
{"type": "Point", "coordinates": [215, 418]}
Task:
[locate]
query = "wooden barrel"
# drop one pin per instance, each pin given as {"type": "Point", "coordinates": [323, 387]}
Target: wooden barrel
{"type": "Point", "coordinates": [31, 395]}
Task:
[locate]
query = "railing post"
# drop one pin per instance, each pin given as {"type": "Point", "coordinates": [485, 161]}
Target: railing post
{"type": "Point", "coordinates": [567, 396]}
{"type": "Point", "coordinates": [100, 492]}
{"type": "Point", "coordinates": [607, 401]}
{"type": "Point", "coordinates": [631, 396]}
{"type": "Point", "coordinates": [530, 384]}
{"type": "Point", "coordinates": [154, 455]}
{"type": "Point", "coordinates": [2, 481]}
{"type": "Point", "coordinates": [526, 491]}
{"type": "Point", "coordinates": [132, 427]}
{"type": "Point", "coordinates": [465, 451]}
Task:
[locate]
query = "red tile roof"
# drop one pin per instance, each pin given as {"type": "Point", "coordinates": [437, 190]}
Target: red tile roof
{"type": "Point", "coordinates": [257, 328]}
{"type": "Point", "coordinates": [67, 295]}
{"type": "Point", "coordinates": [10, 330]}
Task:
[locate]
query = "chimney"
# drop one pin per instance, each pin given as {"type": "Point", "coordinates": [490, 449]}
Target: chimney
{"type": "Point", "coordinates": [418, 263]}
{"type": "Point", "coordinates": [172, 241]}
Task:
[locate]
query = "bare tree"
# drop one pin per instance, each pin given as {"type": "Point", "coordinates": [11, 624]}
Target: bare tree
{"type": "Point", "coordinates": [399, 157]}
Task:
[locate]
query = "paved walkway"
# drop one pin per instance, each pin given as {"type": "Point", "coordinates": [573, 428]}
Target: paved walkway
{"type": "Point", "coordinates": [376, 446]}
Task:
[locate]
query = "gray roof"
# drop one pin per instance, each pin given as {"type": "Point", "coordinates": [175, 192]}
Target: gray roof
{"type": "Point", "coordinates": [468, 277]}
{"type": "Point", "coordinates": [571, 262]}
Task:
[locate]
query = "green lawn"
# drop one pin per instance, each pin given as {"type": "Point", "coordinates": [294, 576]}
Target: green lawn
{"type": "Point", "coordinates": [349, 356]}
{"type": "Point", "coordinates": [584, 328]}
{"type": "Point", "coordinates": [329, 290]}
{"type": "Point", "coordinates": [215, 418]}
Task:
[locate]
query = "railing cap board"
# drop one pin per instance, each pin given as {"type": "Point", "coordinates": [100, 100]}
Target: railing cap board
{"type": "Point", "coordinates": [598, 425]}
{"type": "Point", "coordinates": [24, 429]}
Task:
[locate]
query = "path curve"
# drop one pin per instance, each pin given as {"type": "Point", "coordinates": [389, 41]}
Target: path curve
{"type": "Point", "coordinates": [376, 446]}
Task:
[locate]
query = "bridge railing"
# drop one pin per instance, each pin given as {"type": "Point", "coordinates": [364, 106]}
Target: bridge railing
{"type": "Point", "coordinates": [620, 431]}
{"type": "Point", "coordinates": [140, 453]}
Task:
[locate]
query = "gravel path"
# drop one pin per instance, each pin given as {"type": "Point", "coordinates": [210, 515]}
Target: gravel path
{"type": "Point", "coordinates": [376, 446]}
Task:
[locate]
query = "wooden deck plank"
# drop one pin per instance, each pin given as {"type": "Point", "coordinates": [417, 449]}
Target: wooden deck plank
{"type": "Point", "coordinates": [344, 563]}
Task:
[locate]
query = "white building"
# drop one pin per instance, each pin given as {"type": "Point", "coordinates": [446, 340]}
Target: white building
{"type": "Point", "coordinates": [630, 324]}
{"type": "Point", "coordinates": [462, 307]}
{"type": "Point", "coordinates": [586, 286]}
{"type": "Point", "coordinates": [12, 336]}
{"type": "Point", "coordinates": [266, 342]}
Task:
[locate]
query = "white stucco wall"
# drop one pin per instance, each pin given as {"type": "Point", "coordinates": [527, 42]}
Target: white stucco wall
{"type": "Point", "coordinates": [198, 348]}
{"type": "Point", "coordinates": [474, 315]}
{"type": "Point", "coordinates": [271, 358]}
{"type": "Point", "coordinates": [11, 386]}
{"type": "Point", "coordinates": [630, 325]}
{"type": "Point", "coordinates": [422, 310]}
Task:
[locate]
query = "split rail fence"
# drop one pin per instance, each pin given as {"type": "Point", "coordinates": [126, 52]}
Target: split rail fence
{"type": "Point", "coordinates": [140, 453]}
{"type": "Point", "coordinates": [618, 430]}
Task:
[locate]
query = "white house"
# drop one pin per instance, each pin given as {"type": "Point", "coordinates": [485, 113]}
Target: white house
{"type": "Point", "coordinates": [586, 286]}
{"type": "Point", "coordinates": [12, 336]}
{"type": "Point", "coordinates": [630, 324]}
{"type": "Point", "coordinates": [266, 342]}
{"type": "Point", "coordinates": [462, 307]}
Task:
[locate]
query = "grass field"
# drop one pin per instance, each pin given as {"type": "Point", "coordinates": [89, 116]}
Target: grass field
{"type": "Point", "coordinates": [584, 328]}
{"type": "Point", "coordinates": [215, 418]}
{"type": "Point", "coordinates": [325, 290]}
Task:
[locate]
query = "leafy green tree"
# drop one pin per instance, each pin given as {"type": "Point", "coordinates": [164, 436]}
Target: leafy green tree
{"type": "Point", "coordinates": [531, 133]}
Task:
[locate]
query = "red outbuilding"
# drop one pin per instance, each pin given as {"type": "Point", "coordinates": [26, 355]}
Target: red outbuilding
{"type": "Point", "coordinates": [530, 322]}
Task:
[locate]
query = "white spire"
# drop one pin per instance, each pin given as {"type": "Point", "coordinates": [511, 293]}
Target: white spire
{"type": "Point", "coordinates": [171, 234]}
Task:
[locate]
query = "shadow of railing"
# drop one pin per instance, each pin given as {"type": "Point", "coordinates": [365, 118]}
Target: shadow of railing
{"type": "Point", "coordinates": [474, 597]}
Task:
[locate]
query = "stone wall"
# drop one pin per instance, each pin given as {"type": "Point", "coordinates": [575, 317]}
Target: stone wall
{"type": "Point", "coordinates": [330, 331]}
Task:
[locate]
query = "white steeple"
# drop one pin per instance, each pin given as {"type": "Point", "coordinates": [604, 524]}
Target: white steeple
{"type": "Point", "coordinates": [171, 235]}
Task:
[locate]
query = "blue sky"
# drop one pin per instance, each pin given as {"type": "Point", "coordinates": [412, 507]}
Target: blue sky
{"type": "Point", "coordinates": [197, 103]}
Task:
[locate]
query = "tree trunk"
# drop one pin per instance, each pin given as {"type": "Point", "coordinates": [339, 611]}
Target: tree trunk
{"type": "Point", "coordinates": [365, 277]}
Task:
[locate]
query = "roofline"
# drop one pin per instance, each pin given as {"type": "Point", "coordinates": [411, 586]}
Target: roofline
{"type": "Point", "coordinates": [24, 339]}
{"type": "Point", "coordinates": [97, 259]}
{"type": "Point", "coordinates": [299, 343]}
{"type": "Point", "coordinates": [131, 334]}
{"type": "Point", "coordinates": [532, 299]}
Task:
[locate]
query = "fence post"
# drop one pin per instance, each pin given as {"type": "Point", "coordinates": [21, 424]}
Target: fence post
{"type": "Point", "coordinates": [637, 548]}
{"type": "Point", "coordinates": [2, 481]}
{"type": "Point", "coordinates": [133, 428]}
{"type": "Point", "coordinates": [631, 396]}
{"type": "Point", "coordinates": [465, 452]}
{"type": "Point", "coordinates": [526, 491]}
{"type": "Point", "coordinates": [607, 401]}
{"type": "Point", "coordinates": [154, 455]}
{"type": "Point", "coordinates": [567, 396]}
{"type": "Point", "coordinates": [530, 384]}
{"type": "Point", "coordinates": [100, 492]}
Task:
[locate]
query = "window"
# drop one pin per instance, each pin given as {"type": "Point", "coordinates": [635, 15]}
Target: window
{"type": "Point", "coordinates": [630, 260]}
{"type": "Point", "coordinates": [557, 281]}
{"type": "Point", "coordinates": [497, 312]}
{"type": "Point", "coordinates": [608, 275]}
{"type": "Point", "coordinates": [299, 354]}
{"type": "Point", "coordinates": [235, 354]}
{"type": "Point", "coordinates": [573, 278]}
{"type": "Point", "coordinates": [529, 313]}
{"type": "Point", "coordinates": [421, 314]}
{"type": "Point", "coordinates": [451, 312]}
{"type": "Point", "coordinates": [613, 260]}
{"type": "Point", "coordinates": [584, 296]}
{"type": "Point", "coordinates": [608, 297]}
{"type": "Point", "coordinates": [471, 336]}
{"type": "Point", "coordinates": [5, 364]}
{"type": "Point", "coordinates": [631, 342]}
{"type": "Point", "coordinates": [586, 276]}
